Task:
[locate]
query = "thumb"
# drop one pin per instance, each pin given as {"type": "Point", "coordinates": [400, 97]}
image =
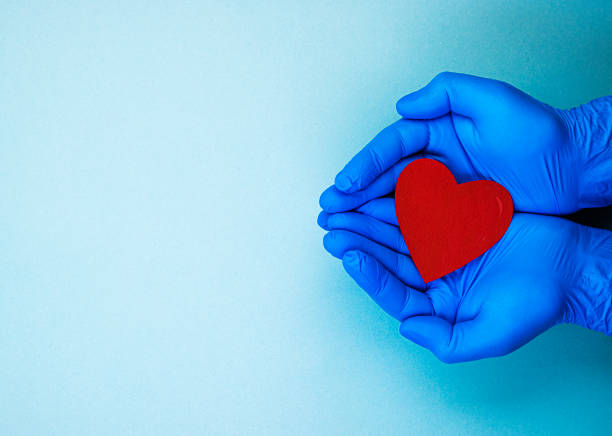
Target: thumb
{"type": "Point", "coordinates": [463, 94]}
{"type": "Point", "coordinates": [474, 339]}
{"type": "Point", "coordinates": [429, 332]}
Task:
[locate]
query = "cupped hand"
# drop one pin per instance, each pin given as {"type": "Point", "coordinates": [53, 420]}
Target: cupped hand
{"type": "Point", "coordinates": [501, 300]}
{"type": "Point", "coordinates": [480, 129]}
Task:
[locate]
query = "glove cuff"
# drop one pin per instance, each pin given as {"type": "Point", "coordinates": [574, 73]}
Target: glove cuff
{"type": "Point", "coordinates": [590, 129]}
{"type": "Point", "coordinates": [589, 299]}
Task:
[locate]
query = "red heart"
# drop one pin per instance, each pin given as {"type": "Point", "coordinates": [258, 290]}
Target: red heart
{"type": "Point", "coordinates": [446, 225]}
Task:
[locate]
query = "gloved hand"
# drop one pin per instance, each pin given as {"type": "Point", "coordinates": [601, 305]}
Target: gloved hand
{"type": "Point", "coordinates": [545, 270]}
{"type": "Point", "coordinates": [551, 161]}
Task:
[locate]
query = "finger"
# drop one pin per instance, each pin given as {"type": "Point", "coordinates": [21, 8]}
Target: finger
{"type": "Point", "coordinates": [385, 234]}
{"type": "Point", "coordinates": [430, 332]}
{"type": "Point", "coordinates": [478, 338]}
{"type": "Point", "coordinates": [509, 316]}
{"type": "Point", "coordinates": [398, 300]}
{"type": "Point", "coordinates": [334, 200]}
{"type": "Point", "coordinates": [338, 242]}
{"type": "Point", "coordinates": [464, 94]}
{"type": "Point", "coordinates": [322, 220]}
{"type": "Point", "coordinates": [383, 209]}
{"type": "Point", "coordinates": [400, 139]}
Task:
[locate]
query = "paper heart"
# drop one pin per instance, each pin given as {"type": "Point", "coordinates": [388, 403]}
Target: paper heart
{"type": "Point", "coordinates": [445, 224]}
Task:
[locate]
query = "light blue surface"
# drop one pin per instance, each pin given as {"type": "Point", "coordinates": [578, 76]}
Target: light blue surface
{"type": "Point", "coordinates": [161, 271]}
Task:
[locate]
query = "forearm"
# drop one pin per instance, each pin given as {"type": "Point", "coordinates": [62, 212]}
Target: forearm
{"type": "Point", "coordinates": [589, 299]}
{"type": "Point", "coordinates": [590, 129]}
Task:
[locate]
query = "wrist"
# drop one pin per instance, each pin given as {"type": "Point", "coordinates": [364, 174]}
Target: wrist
{"type": "Point", "coordinates": [589, 295]}
{"type": "Point", "coordinates": [590, 131]}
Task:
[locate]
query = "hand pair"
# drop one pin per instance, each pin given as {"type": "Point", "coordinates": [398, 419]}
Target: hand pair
{"type": "Point", "coordinates": [545, 270]}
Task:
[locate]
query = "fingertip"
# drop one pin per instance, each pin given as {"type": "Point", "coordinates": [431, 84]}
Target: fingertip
{"type": "Point", "coordinates": [322, 220]}
{"type": "Point", "coordinates": [408, 330]}
{"type": "Point", "coordinates": [430, 332]}
{"type": "Point", "coordinates": [338, 242]}
{"type": "Point", "coordinates": [351, 260]}
{"type": "Point", "coordinates": [332, 244]}
{"type": "Point", "coordinates": [330, 199]}
{"type": "Point", "coordinates": [425, 330]}
{"type": "Point", "coordinates": [323, 199]}
{"type": "Point", "coordinates": [327, 241]}
{"type": "Point", "coordinates": [399, 106]}
{"type": "Point", "coordinates": [405, 106]}
{"type": "Point", "coordinates": [333, 200]}
{"type": "Point", "coordinates": [359, 266]}
{"type": "Point", "coordinates": [343, 182]}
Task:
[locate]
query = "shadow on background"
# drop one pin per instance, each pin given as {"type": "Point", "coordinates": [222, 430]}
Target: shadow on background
{"type": "Point", "coordinates": [552, 364]}
{"type": "Point", "coordinates": [567, 365]}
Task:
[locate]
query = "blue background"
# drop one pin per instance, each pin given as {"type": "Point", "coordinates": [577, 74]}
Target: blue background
{"type": "Point", "coordinates": [161, 271]}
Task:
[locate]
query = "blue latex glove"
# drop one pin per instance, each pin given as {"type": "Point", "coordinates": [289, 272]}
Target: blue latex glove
{"type": "Point", "coordinates": [545, 270]}
{"type": "Point", "coordinates": [551, 161]}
